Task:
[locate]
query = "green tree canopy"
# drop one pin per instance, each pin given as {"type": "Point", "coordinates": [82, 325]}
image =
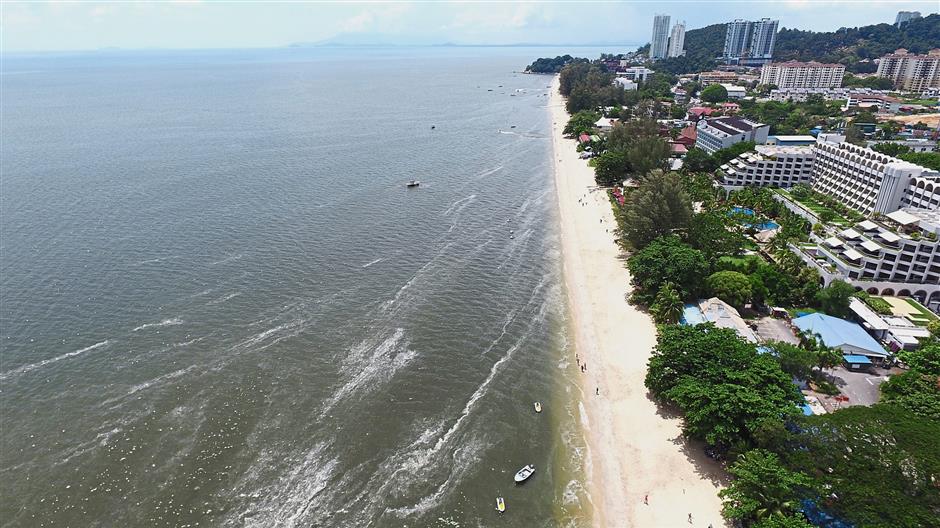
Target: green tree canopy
{"type": "Point", "coordinates": [657, 207]}
{"type": "Point", "coordinates": [667, 260]}
{"type": "Point", "coordinates": [727, 391]}
{"type": "Point", "coordinates": [834, 299]}
{"type": "Point", "coordinates": [722, 156]}
{"type": "Point", "coordinates": [611, 168]}
{"type": "Point", "coordinates": [697, 160]}
{"type": "Point", "coordinates": [874, 466]}
{"type": "Point", "coordinates": [581, 122]}
{"type": "Point", "coordinates": [714, 93]}
{"type": "Point", "coordinates": [730, 286]}
{"type": "Point", "coordinates": [713, 233]}
{"type": "Point", "coordinates": [667, 308]}
{"type": "Point", "coordinates": [763, 488]}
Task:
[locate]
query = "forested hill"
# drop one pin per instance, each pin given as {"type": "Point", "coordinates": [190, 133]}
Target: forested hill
{"type": "Point", "coordinates": [849, 46]}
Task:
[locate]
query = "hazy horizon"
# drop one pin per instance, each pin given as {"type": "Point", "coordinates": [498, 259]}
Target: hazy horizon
{"type": "Point", "coordinates": [182, 25]}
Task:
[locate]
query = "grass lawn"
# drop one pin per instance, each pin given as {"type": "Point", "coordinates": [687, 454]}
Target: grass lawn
{"type": "Point", "coordinates": [926, 315]}
{"type": "Point", "coordinates": [815, 207]}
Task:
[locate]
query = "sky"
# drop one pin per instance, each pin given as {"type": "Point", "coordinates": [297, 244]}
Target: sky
{"type": "Point", "coordinates": [188, 24]}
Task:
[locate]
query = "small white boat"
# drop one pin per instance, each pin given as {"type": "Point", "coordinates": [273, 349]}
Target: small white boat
{"type": "Point", "coordinates": [538, 407]}
{"type": "Point", "coordinates": [524, 473]}
{"type": "Point", "coordinates": [500, 505]}
{"type": "Point", "coordinates": [413, 183]}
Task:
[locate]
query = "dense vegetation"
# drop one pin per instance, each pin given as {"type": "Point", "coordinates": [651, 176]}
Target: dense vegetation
{"type": "Point", "coordinates": [853, 47]}
{"type": "Point", "coordinates": [792, 117]}
{"type": "Point", "coordinates": [918, 389]}
{"type": "Point", "coordinates": [552, 65]}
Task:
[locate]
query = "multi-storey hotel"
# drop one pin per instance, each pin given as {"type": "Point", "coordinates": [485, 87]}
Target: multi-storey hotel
{"type": "Point", "coordinates": [789, 75]}
{"type": "Point", "coordinates": [913, 73]}
{"type": "Point", "coordinates": [896, 254]}
{"type": "Point", "coordinates": [722, 132]}
{"type": "Point", "coordinates": [861, 178]}
{"type": "Point", "coordinates": [769, 166]}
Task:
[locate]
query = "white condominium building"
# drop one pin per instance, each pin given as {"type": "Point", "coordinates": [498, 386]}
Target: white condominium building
{"type": "Point", "coordinates": [677, 40]}
{"type": "Point", "coordinates": [788, 75]}
{"type": "Point", "coordinates": [749, 42]}
{"type": "Point", "coordinates": [861, 178]}
{"type": "Point", "coordinates": [913, 73]}
{"type": "Point", "coordinates": [769, 166]}
{"type": "Point", "coordinates": [722, 132]}
{"type": "Point", "coordinates": [660, 39]}
{"type": "Point", "coordinates": [922, 192]}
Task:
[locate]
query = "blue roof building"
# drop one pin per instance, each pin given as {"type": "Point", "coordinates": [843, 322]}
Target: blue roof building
{"type": "Point", "coordinates": [838, 333]}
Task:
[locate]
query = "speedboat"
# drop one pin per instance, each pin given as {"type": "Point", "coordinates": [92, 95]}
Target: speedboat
{"type": "Point", "coordinates": [500, 505]}
{"type": "Point", "coordinates": [538, 407]}
{"type": "Point", "coordinates": [413, 183]}
{"type": "Point", "coordinates": [524, 473]}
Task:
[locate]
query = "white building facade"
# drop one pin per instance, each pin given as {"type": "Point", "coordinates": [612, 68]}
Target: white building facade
{"type": "Point", "coordinates": [769, 166]}
{"type": "Point", "coordinates": [722, 132]}
{"type": "Point", "coordinates": [677, 40]}
{"type": "Point", "coordinates": [790, 75]}
{"type": "Point", "coordinates": [912, 73]}
{"type": "Point", "coordinates": [660, 39]}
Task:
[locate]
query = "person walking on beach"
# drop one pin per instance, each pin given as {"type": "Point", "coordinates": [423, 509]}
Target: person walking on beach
{"type": "Point", "coordinates": [597, 391]}
{"type": "Point", "coordinates": [690, 518]}
{"type": "Point", "coordinates": [646, 499]}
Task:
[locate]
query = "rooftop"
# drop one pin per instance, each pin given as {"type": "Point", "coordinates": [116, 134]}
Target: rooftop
{"type": "Point", "coordinates": [810, 64]}
{"type": "Point", "coordinates": [839, 333]}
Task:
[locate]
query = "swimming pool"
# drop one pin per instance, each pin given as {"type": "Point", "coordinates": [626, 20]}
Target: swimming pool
{"type": "Point", "coordinates": [769, 224]}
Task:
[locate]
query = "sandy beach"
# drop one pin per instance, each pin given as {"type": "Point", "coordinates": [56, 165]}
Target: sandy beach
{"type": "Point", "coordinates": [642, 472]}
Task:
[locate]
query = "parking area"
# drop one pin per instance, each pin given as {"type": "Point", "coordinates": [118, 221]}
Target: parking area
{"type": "Point", "coordinates": [771, 329]}
{"type": "Point", "coordinates": [858, 388]}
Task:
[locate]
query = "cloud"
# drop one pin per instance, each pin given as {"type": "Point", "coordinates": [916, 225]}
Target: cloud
{"type": "Point", "coordinates": [369, 19]}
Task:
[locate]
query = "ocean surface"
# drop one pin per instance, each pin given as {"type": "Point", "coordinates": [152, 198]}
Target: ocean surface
{"type": "Point", "coordinates": [221, 306]}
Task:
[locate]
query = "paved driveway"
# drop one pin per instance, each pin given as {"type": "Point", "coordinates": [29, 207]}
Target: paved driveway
{"type": "Point", "coordinates": [861, 388]}
{"type": "Point", "coordinates": [771, 329]}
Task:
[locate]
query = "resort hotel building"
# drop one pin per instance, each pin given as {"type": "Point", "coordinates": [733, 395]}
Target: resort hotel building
{"type": "Point", "coordinates": [722, 132]}
{"type": "Point", "coordinates": [769, 166]}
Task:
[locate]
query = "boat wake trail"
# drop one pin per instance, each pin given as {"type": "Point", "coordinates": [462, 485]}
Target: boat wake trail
{"type": "Point", "coordinates": [458, 206]}
{"type": "Point", "coordinates": [33, 366]}
{"type": "Point", "coordinates": [376, 261]}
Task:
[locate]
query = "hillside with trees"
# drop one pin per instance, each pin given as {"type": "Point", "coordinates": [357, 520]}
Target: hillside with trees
{"type": "Point", "coordinates": [853, 47]}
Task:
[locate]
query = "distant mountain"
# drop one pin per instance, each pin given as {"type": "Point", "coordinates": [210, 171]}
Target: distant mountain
{"type": "Point", "coordinates": [853, 47]}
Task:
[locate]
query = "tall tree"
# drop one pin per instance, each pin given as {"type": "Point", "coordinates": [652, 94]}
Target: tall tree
{"type": "Point", "coordinates": [763, 488]}
{"type": "Point", "coordinates": [659, 206]}
{"type": "Point", "coordinates": [667, 260]}
{"type": "Point", "coordinates": [668, 306]}
{"type": "Point", "coordinates": [730, 286]}
{"type": "Point", "coordinates": [834, 299]}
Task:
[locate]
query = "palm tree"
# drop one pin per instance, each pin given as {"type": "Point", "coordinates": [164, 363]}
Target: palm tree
{"type": "Point", "coordinates": [668, 306]}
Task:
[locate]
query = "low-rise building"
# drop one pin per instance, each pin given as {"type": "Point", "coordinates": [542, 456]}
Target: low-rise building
{"type": "Point", "coordinates": [791, 141]}
{"type": "Point", "coordinates": [635, 73]}
{"type": "Point", "coordinates": [915, 145]}
{"type": "Point", "coordinates": [876, 102]}
{"type": "Point", "coordinates": [769, 166]}
{"type": "Point", "coordinates": [717, 77]}
{"type": "Point", "coordinates": [847, 336]}
{"type": "Point", "coordinates": [626, 84]}
{"type": "Point", "coordinates": [898, 333]}
{"type": "Point", "coordinates": [910, 72]}
{"type": "Point", "coordinates": [604, 124]}
{"type": "Point", "coordinates": [734, 91]}
{"type": "Point", "coordinates": [799, 95]}
{"type": "Point", "coordinates": [722, 132]}
{"type": "Point", "coordinates": [794, 74]}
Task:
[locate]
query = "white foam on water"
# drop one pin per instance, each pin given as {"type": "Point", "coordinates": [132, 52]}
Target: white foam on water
{"type": "Point", "coordinates": [295, 495]}
{"type": "Point", "coordinates": [159, 380]}
{"type": "Point", "coordinates": [372, 370]}
{"type": "Point", "coordinates": [166, 322]}
{"type": "Point", "coordinates": [33, 366]}
{"type": "Point", "coordinates": [222, 299]}
{"type": "Point", "coordinates": [156, 260]}
{"type": "Point", "coordinates": [376, 261]}
{"type": "Point", "coordinates": [229, 258]}
{"type": "Point", "coordinates": [457, 206]}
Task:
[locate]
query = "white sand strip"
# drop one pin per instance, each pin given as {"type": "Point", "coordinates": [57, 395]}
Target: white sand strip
{"type": "Point", "coordinates": [635, 452]}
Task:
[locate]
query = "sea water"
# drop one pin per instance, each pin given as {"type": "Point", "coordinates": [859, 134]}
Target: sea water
{"type": "Point", "coordinates": [221, 306]}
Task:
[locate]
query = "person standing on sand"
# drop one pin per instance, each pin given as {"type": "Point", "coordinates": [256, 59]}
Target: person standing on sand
{"type": "Point", "coordinates": [597, 391]}
{"type": "Point", "coordinates": [646, 499]}
{"type": "Point", "coordinates": [690, 518]}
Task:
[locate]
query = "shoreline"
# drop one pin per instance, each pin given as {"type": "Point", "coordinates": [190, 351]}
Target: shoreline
{"type": "Point", "coordinates": [634, 451]}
